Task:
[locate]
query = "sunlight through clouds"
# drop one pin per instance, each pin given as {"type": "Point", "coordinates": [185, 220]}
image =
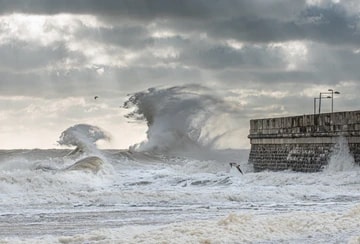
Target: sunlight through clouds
{"type": "Point", "coordinates": [234, 44]}
{"type": "Point", "coordinates": [295, 53]}
{"type": "Point", "coordinates": [265, 59]}
{"type": "Point", "coordinates": [44, 29]}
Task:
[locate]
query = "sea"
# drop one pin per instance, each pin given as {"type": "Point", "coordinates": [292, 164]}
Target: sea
{"type": "Point", "coordinates": [171, 188]}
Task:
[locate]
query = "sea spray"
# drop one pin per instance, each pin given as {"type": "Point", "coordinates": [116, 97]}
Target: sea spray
{"type": "Point", "coordinates": [84, 137]}
{"type": "Point", "coordinates": [85, 157]}
{"type": "Point", "coordinates": [182, 118]}
{"type": "Point", "coordinates": [341, 158]}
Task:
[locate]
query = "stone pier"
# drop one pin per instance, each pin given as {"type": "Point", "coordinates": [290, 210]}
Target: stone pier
{"type": "Point", "coordinates": [302, 143]}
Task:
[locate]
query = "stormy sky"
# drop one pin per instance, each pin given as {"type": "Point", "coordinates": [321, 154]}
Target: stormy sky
{"type": "Point", "coordinates": [268, 58]}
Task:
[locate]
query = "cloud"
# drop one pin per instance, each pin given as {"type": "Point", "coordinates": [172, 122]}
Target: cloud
{"type": "Point", "coordinates": [243, 20]}
{"type": "Point", "coordinates": [143, 9]}
{"type": "Point", "coordinates": [21, 56]}
{"type": "Point", "coordinates": [269, 57]}
{"type": "Point", "coordinates": [131, 37]}
{"type": "Point", "coordinates": [225, 57]}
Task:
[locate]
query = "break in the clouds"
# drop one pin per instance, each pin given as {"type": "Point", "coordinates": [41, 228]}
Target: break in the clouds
{"type": "Point", "coordinates": [265, 57]}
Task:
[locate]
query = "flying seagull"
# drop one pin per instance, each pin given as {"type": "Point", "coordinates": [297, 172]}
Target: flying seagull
{"type": "Point", "coordinates": [236, 166]}
{"type": "Point", "coordinates": [96, 97]}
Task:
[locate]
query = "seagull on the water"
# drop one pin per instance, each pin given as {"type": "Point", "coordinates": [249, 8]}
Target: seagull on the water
{"type": "Point", "coordinates": [236, 166]}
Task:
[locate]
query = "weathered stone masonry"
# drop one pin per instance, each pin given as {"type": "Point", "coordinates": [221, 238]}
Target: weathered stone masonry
{"type": "Point", "coordinates": [302, 143]}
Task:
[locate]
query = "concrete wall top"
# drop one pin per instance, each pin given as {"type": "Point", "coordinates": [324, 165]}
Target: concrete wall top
{"type": "Point", "coordinates": [326, 124]}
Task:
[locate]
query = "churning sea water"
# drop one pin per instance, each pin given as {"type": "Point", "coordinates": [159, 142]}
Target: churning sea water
{"type": "Point", "coordinates": [154, 198]}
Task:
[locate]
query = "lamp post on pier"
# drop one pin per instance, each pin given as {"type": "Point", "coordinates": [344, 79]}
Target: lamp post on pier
{"type": "Point", "coordinates": [315, 98]}
{"type": "Point", "coordinates": [320, 97]}
{"type": "Point", "coordinates": [332, 98]}
{"type": "Point", "coordinates": [330, 94]}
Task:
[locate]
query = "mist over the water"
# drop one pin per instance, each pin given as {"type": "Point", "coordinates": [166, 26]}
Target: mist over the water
{"type": "Point", "coordinates": [181, 118]}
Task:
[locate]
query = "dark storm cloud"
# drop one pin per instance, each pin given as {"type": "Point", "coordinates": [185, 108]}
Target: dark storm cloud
{"type": "Point", "coordinates": [201, 53]}
{"type": "Point", "coordinates": [155, 9]}
{"type": "Point", "coordinates": [267, 79]}
{"type": "Point", "coordinates": [325, 65]}
{"type": "Point", "coordinates": [334, 64]}
{"type": "Point", "coordinates": [256, 30]}
{"type": "Point", "coordinates": [244, 20]}
{"type": "Point", "coordinates": [225, 57]}
{"type": "Point", "coordinates": [42, 83]}
{"type": "Point", "coordinates": [329, 24]}
{"type": "Point", "coordinates": [125, 36]}
{"type": "Point", "coordinates": [20, 56]}
{"type": "Point", "coordinates": [87, 82]}
{"type": "Point", "coordinates": [140, 9]}
{"type": "Point", "coordinates": [254, 23]}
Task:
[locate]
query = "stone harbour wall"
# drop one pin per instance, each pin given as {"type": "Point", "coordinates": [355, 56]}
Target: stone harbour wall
{"type": "Point", "coordinates": [303, 143]}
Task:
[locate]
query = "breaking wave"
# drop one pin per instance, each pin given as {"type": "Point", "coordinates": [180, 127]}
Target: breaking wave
{"type": "Point", "coordinates": [85, 157]}
{"type": "Point", "coordinates": [181, 118]}
{"type": "Point", "coordinates": [83, 137]}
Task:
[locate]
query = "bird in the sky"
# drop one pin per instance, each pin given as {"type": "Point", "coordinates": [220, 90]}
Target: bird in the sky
{"type": "Point", "coordinates": [96, 97]}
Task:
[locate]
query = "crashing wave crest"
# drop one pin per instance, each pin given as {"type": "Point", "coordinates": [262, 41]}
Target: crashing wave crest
{"type": "Point", "coordinates": [179, 118]}
{"type": "Point", "coordinates": [84, 137]}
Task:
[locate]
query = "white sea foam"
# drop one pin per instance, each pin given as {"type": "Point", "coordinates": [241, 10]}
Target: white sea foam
{"type": "Point", "coordinates": [341, 158]}
{"type": "Point", "coordinates": [176, 200]}
{"type": "Point", "coordinates": [294, 227]}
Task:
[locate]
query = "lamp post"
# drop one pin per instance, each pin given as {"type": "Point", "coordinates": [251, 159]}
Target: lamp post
{"type": "Point", "coordinates": [315, 98]}
{"type": "Point", "coordinates": [321, 96]}
{"type": "Point", "coordinates": [332, 98]}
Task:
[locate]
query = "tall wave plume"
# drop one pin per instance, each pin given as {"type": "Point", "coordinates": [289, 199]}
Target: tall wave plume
{"type": "Point", "coordinates": [181, 118]}
{"type": "Point", "coordinates": [83, 137]}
